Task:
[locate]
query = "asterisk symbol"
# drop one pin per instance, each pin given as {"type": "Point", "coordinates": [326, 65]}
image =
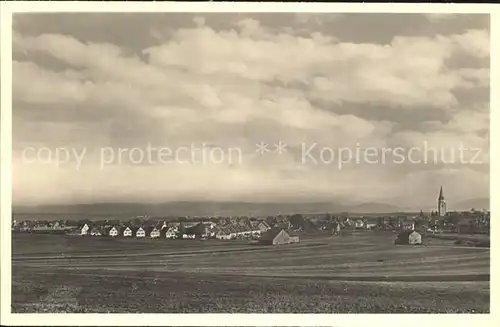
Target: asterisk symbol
{"type": "Point", "coordinates": [280, 147]}
{"type": "Point", "coordinates": [262, 148]}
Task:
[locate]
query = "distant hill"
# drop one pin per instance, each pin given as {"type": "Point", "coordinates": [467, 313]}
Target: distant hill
{"type": "Point", "coordinates": [169, 209]}
{"type": "Point", "coordinates": [182, 209]}
{"type": "Point", "coordinates": [476, 203]}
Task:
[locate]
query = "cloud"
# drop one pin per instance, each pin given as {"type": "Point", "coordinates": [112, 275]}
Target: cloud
{"type": "Point", "coordinates": [409, 71]}
{"type": "Point", "coordinates": [237, 87]}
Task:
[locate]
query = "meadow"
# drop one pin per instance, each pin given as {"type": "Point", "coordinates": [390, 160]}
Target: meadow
{"type": "Point", "coordinates": [363, 273]}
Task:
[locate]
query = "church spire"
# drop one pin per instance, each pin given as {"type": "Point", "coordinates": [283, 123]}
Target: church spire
{"type": "Point", "coordinates": [441, 197]}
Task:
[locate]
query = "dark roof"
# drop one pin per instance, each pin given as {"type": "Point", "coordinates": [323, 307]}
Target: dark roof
{"type": "Point", "coordinates": [270, 234]}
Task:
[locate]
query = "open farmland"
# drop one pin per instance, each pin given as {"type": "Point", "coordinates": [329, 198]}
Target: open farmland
{"type": "Point", "coordinates": [363, 272]}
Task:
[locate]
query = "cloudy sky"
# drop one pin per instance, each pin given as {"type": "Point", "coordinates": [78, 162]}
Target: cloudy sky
{"type": "Point", "coordinates": [92, 81]}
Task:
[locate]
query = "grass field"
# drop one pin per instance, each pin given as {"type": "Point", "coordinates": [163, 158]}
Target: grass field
{"type": "Point", "coordinates": [363, 272]}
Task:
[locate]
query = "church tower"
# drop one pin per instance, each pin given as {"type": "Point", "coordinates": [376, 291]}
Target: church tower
{"type": "Point", "coordinates": [441, 204]}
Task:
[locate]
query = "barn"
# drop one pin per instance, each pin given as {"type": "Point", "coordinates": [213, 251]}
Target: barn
{"type": "Point", "coordinates": [276, 236]}
{"type": "Point", "coordinates": [409, 237]}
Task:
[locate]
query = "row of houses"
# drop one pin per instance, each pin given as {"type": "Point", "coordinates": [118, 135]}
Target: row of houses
{"type": "Point", "coordinates": [181, 230]}
{"type": "Point", "coordinates": [139, 232]}
{"type": "Point", "coordinates": [263, 232]}
{"type": "Point", "coordinates": [242, 230]}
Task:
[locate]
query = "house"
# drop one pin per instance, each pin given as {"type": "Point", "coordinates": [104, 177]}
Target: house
{"type": "Point", "coordinates": [255, 231]}
{"type": "Point", "coordinates": [335, 228]}
{"type": "Point", "coordinates": [127, 232]}
{"type": "Point", "coordinates": [223, 234]}
{"type": "Point", "coordinates": [95, 232]}
{"type": "Point", "coordinates": [263, 226]}
{"type": "Point", "coordinates": [155, 233]}
{"type": "Point", "coordinates": [294, 237]}
{"type": "Point", "coordinates": [275, 236]}
{"type": "Point", "coordinates": [140, 233]}
{"type": "Point", "coordinates": [408, 225]}
{"type": "Point", "coordinates": [409, 237]}
{"type": "Point", "coordinates": [283, 225]}
{"type": "Point", "coordinates": [210, 224]}
{"type": "Point", "coordinates": [85, 229]}
{"type": "Point", "coordinates": [188, 236]}
{"type": "Point", "coordinates": [359, 223]}
{"type": "Point", "coordinates": [200, 230]}
{"type": "Point", "coordinates": [212, 231]}
{"type": "Point", "coordinates": [171, 233]}
{"type": "Point", "coordinates": [233, 232]}
{"type": "Point", "coordinates": [113, 232]}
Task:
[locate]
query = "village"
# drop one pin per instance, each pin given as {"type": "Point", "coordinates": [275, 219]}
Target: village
{"type": "Point", "coordinates": [278, 229]}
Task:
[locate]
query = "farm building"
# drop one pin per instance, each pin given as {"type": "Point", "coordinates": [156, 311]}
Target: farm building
{"type": "Point", "coordinates": [276, 236]}
{"type": "Point", "coordinates": [140, 233]}
{"type": "Point", "coordinates": [85, 229]}
{"type": "Point", "coordinates": [409, 237]}
{"type": "Point", "coordinates": [127, 232]}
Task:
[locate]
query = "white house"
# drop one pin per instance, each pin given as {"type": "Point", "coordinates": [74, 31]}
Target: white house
{"type": "Point", "coordinates": [140, 233]}
{"type": "Point", "coordinates": [113, 232]}
{"type": "Point", "coordinates": [127, 232]}
{"type": "Point", "coordinates": [188, 236]}
{"type": "Point", "coordinates": [225, 234]}
{"type": "Point", "coordinates": [155, 233]}
{"type": "Point", "coordinates": [85, 229]}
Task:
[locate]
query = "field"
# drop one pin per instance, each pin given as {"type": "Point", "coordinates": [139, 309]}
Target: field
{"type": "Point", "coordinates": [364, 272]}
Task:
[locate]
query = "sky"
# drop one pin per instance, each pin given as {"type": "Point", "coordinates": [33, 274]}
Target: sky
{"type": "Point", "coordinates": [302, 86]}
